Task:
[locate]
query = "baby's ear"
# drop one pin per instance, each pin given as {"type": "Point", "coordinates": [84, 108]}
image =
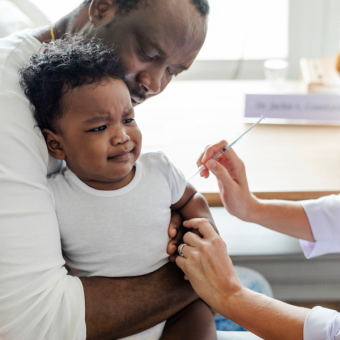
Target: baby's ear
{"type": "Point", "coordinates": [53, 144]}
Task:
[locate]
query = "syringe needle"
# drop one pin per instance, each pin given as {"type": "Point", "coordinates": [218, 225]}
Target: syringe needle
{"type": "Point", "coordinates": [202, 167]}
{"type": "Point", "coordinates": [226, 148]}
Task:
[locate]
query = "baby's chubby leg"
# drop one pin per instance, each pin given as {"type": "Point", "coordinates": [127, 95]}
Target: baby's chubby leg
{"type": "Point", "coordinates": [196, 322]}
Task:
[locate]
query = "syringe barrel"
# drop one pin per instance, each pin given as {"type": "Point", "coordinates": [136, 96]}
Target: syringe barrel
{"type": "Point", "coordinates": [217, 156]}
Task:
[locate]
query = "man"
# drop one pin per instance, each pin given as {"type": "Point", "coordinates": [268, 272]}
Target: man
{"type": "Point", "coordinates": [38, 300]}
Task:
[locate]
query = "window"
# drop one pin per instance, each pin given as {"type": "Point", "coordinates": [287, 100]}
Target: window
{"type": "Point", "coordinates": [244, 33]}
{"type": "Point", "coordinates": [248, 29]}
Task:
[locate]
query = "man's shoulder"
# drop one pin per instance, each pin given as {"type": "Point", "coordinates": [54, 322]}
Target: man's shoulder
{"type": "Point", "coordinates": [15, 51]}
{"type": "Point", "coordinates": [58, 181]}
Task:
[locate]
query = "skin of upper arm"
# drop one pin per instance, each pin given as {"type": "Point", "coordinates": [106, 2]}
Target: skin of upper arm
{"type": "Point", "coordinates": [193, 205]}
{"type": "Point", "coordinates": [189, 192]}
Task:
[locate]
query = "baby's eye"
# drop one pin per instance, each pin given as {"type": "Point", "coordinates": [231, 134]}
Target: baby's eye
{"type": "Point", "coordinates": [99, 129]}
{"type": "Point", "coordinates": [127, 121]}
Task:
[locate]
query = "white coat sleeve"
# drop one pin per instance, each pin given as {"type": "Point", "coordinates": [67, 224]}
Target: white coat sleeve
{"type": "Point", "coordinates": [324, 217]}
{"type": "Point", "coordinates": [322, 324]}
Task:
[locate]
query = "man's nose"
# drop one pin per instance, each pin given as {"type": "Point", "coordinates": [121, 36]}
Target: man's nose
{"type": "Point", "coordinates": [120, 137]}
{"type": "Point", "coordinates": [150, 82]}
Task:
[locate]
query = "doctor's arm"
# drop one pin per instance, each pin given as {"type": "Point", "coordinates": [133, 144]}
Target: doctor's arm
{"type": "Point", "coordinates": [208, 266]}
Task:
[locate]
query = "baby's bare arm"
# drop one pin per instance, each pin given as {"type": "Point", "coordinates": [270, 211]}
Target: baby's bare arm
{"type": "Point", "coordinates": [193, 205]}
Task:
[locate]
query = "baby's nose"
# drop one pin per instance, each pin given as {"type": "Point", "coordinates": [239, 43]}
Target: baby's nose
{"type": "Point", "coordinates": [120, 137]}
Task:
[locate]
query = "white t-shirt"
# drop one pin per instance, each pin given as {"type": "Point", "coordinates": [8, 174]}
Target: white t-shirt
{"type": "Point", "coordinates": [324, 218]}
{"type": "Point", "coordinates": [121, 232]}
{"type": "Point", "coordinates": [38, 300]}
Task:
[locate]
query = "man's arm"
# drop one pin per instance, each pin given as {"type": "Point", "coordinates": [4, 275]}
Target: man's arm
{"type": "Point", "coordinates": [119, 307]}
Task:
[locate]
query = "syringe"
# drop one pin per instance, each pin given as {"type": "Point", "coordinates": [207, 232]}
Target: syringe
{"type": "Point", "coordinates": [226, 148]}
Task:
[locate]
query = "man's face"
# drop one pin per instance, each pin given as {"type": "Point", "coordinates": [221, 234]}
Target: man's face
{"type": "Point", "coordinates": [98, 134]}
{"type": "Point", "coordinates": [156, 42]}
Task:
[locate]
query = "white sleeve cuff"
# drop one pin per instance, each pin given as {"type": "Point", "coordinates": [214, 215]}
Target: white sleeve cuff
{"type": "Point", "coordinates": [320, 247]}
{"type": "Point", "coordinates": [322, 324]}
{"type": "Point", "coordinates": [324, 216]}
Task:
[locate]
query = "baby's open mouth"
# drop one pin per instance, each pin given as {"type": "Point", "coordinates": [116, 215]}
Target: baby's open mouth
{"type": "Point", "coordinates": [121, 157]}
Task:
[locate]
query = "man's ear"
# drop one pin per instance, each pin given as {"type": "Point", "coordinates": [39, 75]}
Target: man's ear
{"type": "Point", "coordinates": [53, 144]}
{"type": "Point", "coordinates": [101, 12]}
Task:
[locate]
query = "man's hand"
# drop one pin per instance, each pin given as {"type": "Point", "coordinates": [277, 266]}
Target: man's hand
{"type": "Point", "coordinates": [176, 232]}
{"type": "Point", "coordinates": [232, 180]}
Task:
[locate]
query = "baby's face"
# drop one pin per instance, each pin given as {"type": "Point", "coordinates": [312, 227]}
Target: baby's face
{"type": "Point", "coordinates": [98, 134]}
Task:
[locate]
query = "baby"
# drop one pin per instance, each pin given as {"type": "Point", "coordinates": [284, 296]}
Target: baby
{"type": "Point", "coordinates": [112, 202]}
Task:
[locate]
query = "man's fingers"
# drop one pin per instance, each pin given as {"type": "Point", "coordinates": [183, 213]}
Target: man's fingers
{"type": "Point", "coordinates": [176, 241]}
{"type": "Point", "coordinates": [172, 258]}
{"type": "Point", "coordinates": [175, 233]}
{"type": "Point", "coordinates": [202, 225]}
{"type": "Point", "coordinates": [175, 224]}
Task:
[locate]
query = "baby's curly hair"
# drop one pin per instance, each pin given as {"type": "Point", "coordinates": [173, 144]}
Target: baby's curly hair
{"type": "Point", "coordinates": [63, 65]}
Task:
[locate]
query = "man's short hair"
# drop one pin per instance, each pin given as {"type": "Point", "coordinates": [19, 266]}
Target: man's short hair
{"type": "Point", "coordinates": [61, 66]}
{"type": "Point", "coordinates": [124, 6]}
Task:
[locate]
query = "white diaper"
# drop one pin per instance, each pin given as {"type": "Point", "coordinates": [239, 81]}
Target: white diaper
{"type": "Point", "coordinates": [153, 333]}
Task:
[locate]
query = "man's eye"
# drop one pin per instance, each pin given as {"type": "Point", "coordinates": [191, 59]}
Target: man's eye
{"type": "Point", "coordinates": [145, 56]}
{"type": "Point", "coordinates": [127, 121]}
{"type": "Point", "coordinates": [99, 129]}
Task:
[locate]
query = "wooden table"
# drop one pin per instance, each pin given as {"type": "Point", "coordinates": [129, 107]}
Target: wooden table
{"type": "Point", "coordinates": [282, 161]}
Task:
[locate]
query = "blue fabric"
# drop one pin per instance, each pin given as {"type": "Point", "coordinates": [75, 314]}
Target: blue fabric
{"type": "Point", "coordinates": [252, 280]}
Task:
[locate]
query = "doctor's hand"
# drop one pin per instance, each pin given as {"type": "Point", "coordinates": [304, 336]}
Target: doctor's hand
{"type": "Point", "coordinates": [232, 180]}
{"type": "Point", "coordinates": [209, 269]}
{"type": "Point", "coordinates": [207, 265]}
